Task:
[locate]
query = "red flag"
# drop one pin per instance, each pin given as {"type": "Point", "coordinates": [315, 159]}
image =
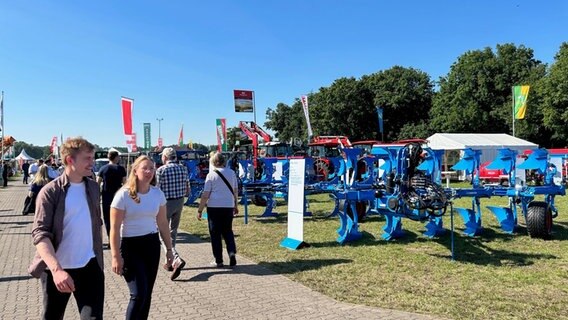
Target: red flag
{"type": "Point", "coordinates": [127, 115]}
{"type": "Point", "coordinates": [180, 139]}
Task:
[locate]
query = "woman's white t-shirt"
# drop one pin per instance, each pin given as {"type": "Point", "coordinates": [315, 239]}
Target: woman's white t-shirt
{"type": "Point", "coordinates": [139, 218]}
{"type": "Point", "coordinates": [221, 196]}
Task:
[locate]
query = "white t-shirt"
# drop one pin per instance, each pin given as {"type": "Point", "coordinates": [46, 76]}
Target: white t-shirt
{"type": "Point", "coordinates": [139, 218]}
{"type": "Point", "coordinates": [76, 247]}
{"type": "Point", "coordinates": [221, 196]}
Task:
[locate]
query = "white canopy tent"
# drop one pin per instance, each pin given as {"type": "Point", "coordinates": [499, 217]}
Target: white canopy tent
{"type": "Point", "coordinates": [488, 143]}
{"type": "Point", "coordinates": [24, 156]}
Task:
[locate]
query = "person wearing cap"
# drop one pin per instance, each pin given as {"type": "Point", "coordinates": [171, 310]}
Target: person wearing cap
{"type": "Point", "coordinates": [173, 179]}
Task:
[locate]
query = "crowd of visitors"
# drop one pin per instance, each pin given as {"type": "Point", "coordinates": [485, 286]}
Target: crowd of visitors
{"type": "Point", "coordinates": [141, 211]}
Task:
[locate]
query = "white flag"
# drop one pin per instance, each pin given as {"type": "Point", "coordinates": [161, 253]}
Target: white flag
{"type": "Point", "coordinates": [307, 114]}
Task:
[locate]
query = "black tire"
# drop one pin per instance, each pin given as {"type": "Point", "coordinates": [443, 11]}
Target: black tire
{"type": "Point", "coordinates": [539, 220]}
{"type": "Point", "coordinates": [259, 200]}
{"type": "Point", "coordinates": [361, 207]}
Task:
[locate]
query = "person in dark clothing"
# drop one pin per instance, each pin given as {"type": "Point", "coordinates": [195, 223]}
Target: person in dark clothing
{"type": "Point", "coordinates": [112, 176]}
{"type": "Point", "coordinates": [5, 170]}
{"type": "Point", "coordinates": [26, 170]}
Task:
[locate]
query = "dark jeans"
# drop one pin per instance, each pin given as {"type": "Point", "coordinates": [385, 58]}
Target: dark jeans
{"type": "Point", "coordinates": [26, 176]}
{"type": "Point", "coordinates": [221, 225]}
{"type": "Point", "coordinates": [141, 258]}
{"type": "Point", "coordinates": [89, 293]}
{"type": "Point", "coordinates": [107, 200]}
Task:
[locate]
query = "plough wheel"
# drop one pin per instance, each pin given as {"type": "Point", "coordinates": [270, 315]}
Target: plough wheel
{"type": "Point", "coordinates": [539, 220]}
{"type": "Point", "coordinates": [361, 207]}
{"type": "Point", "coordinates": [259, 200]}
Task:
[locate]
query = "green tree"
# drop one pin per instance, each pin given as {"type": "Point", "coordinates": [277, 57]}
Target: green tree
{"type": "Point", "coordinates": [405, 94]}
{"type": "Point", "coordinates": [555, 98]}
{"type": "Point", "coordinates": [476, 94]}
{"type": "Point", "coordinates": [344, 108]}
{"type": "Point", "coordinates": [288, 122]}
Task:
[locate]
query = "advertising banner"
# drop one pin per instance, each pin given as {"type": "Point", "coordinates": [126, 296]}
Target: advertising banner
{"type": "Point", "coordinates": [147, 135]}
{"type": "Point", "coordinates": [221, 135]}
{"type": "Point", "coordinates": [520, 96]}
{"type": "Point", "coordinates": [244, 100]}
{"type": "Point", "coordinates": [131, 142]}
{"type": "Point", "coordinates": [295, 238]}
{"type": "Point", "coordinates": [127, 114]}
{"type": "Point", "coordinates": [307, 114]}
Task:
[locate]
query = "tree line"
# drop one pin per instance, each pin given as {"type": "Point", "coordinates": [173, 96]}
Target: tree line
{"type": "Point", "coordinates": [474, 97]}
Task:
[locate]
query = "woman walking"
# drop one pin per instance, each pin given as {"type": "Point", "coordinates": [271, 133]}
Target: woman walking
{"type": "Point", "coordinates": [220, 196]}
{"type": "Point", "coordinates": [40, 179]}
{"type": "Point", "coordinates": [138, 212]}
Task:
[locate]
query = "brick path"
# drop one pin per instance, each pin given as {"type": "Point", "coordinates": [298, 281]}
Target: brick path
{"type": "Point", "coordinates": [201, 292]}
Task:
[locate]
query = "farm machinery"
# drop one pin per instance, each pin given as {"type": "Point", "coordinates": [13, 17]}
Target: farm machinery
{"type": "Point", "coordinates": [405, 187]}
{"type": "Point", "coordinates": [405, 182]}
{"type": "Point", "coordinates": [538, 214]}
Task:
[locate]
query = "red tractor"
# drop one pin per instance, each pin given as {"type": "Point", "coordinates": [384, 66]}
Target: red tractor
{"type": "Point", "coordinates": [321, 149]}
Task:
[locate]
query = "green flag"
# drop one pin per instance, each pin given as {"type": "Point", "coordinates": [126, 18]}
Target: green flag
{"type": "Point", "coordinates": [520, 96]}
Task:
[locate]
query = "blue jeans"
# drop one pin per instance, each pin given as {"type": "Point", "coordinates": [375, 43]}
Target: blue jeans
{"type": "Point", "coordinates": [220, 222]}
{"type": "Point", "coordinates": [89, 293]}
{"type": "Point", "coordinates": [141, 258]}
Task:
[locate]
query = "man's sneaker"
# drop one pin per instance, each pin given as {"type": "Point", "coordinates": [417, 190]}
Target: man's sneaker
{"type": "Point", "coordinates": [232, 260]}
{"type": "Point", "coordinates": [178, 264]}
{"type": "Point", "coordinates": [217, 264]}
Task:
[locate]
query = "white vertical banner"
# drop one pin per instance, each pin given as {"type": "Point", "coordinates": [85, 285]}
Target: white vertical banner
{"type": "Point", "coordinates": [295, 238]}
{"type": "Point", "coordinates": [307, 114]}
{"type": "Point", "coordinates": [131, 142]}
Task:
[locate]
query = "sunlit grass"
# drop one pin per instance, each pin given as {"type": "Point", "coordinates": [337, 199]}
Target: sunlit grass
{"type": "Point", "coordinates": [494, 276]}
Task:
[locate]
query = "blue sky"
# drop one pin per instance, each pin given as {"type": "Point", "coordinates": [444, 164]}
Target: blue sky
{"type": "Point", "coordinates": [65, 64]}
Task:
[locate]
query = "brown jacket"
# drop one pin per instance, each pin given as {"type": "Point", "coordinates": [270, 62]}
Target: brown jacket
{"type": "Point", "coordinates": [48, 221]}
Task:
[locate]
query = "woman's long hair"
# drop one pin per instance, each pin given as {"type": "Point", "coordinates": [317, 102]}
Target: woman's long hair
{"type": "Point", "coordinates": [131, 184]}
{"type": "Point", "coordinates": [41, 178]}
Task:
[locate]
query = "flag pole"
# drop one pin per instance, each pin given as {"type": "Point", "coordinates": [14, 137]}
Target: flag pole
{"type": "Point", "coordinates": [513, 97]}
{"type": "Point", "coordinates": [2, 124]}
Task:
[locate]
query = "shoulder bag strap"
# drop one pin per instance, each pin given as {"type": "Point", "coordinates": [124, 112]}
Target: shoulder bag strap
{"type": "Point", "coordinates": [225, 180]}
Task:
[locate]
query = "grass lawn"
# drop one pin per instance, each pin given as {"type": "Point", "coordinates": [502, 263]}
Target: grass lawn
{"type": "Point", "coordinates": [494, 276]}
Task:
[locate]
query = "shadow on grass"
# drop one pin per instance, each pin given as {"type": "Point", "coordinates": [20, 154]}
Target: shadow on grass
{"type": "Point", "coordinates": [560, 230]}
{"type": "Point", "coordinates": [368, 239]}
{"type": "Point", "coordinates": [265, 268]}
{"type": "Point", "coordinates": [475, 250]}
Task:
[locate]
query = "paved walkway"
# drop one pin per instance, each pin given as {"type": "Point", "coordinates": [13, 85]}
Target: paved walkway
{"type": "Point", "coordinates": [201, 292]}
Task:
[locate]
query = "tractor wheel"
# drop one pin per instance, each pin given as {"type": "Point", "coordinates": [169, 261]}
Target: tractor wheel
{"type": "Point", "coordinates": [322, 170]}
{"type": "Point", "coordinates": [361, 207]}
{"type": "Point", "coordinates": [539, 220]}
{"type": "Point", "coordinates": [259, 200]}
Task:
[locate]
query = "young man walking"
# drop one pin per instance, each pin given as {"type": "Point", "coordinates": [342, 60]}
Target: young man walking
{"type": "Point", "coordinates": [173, 179]}
{"type": "Point", "coordinates": [67, 236]}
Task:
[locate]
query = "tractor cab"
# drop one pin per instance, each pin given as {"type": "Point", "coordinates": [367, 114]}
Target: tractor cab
{"type": "Point", "coordinates": [275, 149]}
{"type": "Point", "coordinates": [323, 149]}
